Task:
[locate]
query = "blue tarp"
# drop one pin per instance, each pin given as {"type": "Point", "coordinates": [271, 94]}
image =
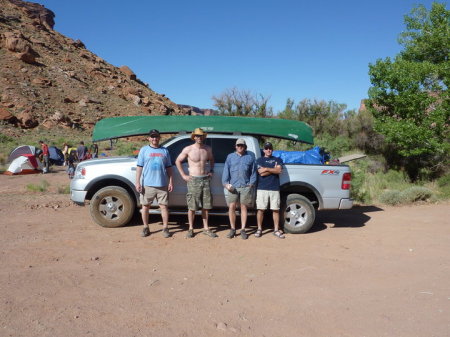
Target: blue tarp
{"type": "Point", "coordinates": [55, 155]}
{"type": "Point", "coordinates": [316, 155]}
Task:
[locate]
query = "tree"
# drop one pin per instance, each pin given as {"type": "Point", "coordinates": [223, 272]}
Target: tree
{"type": "Point", "coordinates": [322, 116]}
{"type": "Point", "coordinates": [409, 97]}
{"type": "Point", "coordinates": [235, 102]}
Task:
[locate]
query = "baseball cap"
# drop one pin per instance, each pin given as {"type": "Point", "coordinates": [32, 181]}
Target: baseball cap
{"type": "Point", "coordinates": [154, 133]}
{"type": "Point", "coordinates": [241, 141]}
{"type": "Point", "coordinates": [268, 145]}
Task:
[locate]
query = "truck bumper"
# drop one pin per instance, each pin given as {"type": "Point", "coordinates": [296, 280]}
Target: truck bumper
{"type": "Point", "coordinates": [346, 204]}
{"type": "Point", "coordinates": [78, 197]}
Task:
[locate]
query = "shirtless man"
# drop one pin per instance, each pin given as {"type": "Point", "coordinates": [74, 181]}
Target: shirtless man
{"type": "Point", "coordinates": [198, 179]}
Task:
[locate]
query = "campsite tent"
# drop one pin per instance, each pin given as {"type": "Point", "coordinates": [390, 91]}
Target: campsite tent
{"type": "Point", "coordinates": [55, 155]}
{"type": "Point", "coordinates": [21, 150]}
{"type": "Point", "coordinates": [24, 164]}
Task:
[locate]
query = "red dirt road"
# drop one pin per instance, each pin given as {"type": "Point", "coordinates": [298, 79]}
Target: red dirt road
{"type": "Point", "coordinates": [365, 272]}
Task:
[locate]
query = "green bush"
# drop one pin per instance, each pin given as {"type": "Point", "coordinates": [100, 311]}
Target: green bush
{"type": "Point", "coordinates": [391, 197]}
{"type": "Point", "coordinates": [126, 148]}
{"type": "Point", "coordinates": [336, 146]}
{"type": "Point", "coordinates": [444, 186]}
{"type": "Point", "coordinates": [415, 193]}
{"type": "Point", "coordinates": [41, 187]}
{"type": "Point", "coordinates": [64, 189]}
{"type": "Point", "coordinates": [360, 191]}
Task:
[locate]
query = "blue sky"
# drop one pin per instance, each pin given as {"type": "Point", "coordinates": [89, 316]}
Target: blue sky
{"type": "Point", "coordinates": [193, 50]}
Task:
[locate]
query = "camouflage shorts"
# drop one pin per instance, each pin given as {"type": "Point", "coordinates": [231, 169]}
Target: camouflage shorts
{"type": "Point", "coordinates": [199, 193]}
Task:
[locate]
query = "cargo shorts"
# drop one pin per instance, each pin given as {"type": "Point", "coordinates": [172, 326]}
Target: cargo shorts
{"type": "Point", "coordinates": [243, 195]}
{"type": "Point", "coordinates": [199, 193]}
{"type": "Point", "coordinates": [150, 193]}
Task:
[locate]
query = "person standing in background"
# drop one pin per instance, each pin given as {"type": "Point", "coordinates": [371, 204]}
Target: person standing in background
{"type": "Point", "coordinates": [45, 159]}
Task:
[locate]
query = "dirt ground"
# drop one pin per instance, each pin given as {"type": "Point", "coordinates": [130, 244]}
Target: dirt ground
{"type": "Point", "coordinates": [364, 272]}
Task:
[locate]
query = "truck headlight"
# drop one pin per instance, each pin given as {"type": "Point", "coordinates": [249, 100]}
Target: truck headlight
{"type": "Point", "coordinates": [80, 173]}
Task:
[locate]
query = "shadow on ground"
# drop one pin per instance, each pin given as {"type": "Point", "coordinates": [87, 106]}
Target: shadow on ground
{"type": "Point", "coordinates": [348, 218]}
{"type": "Point", "coordinates": [351, 218]}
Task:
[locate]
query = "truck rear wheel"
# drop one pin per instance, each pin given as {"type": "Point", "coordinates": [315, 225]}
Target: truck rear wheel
{"type": "Point", "coordinates": [112, 206]}
{"type": "Point", "coordinates": [298, 214]}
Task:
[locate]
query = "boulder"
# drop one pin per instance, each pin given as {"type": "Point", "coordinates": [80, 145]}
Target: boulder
{"type": "Point", "coordinates": [37, 12]}
{"type": "Point", "coordinates": [44, 82]}
{"type": "Point", "coordinates": [7, 116]}
{"type": "Point", "coordinates": [127, 71]}
{"type": "Point", "coordinates": [27, 120]}
{"type": "Point", "coordinates": [14, 41]}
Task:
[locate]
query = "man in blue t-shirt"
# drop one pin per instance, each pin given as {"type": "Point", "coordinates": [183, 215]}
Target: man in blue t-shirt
{"type": "Point", "coordinates": [268, 189]}
{"type": "Point", "coordinates": [155, 168]}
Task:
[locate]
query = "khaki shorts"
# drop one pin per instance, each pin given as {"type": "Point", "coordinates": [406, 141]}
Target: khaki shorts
{"type": "Point", "coordinates": [243, 195]}
{"type": "Point", "coordinates": [199, 193]}
{"type": "Point", "coordinates": [265, 198]}
{"type": "Point", "coordinates": [150, 193]}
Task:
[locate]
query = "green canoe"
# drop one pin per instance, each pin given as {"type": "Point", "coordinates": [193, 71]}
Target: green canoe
{"type": "Point", "coordinates": [117, 127]}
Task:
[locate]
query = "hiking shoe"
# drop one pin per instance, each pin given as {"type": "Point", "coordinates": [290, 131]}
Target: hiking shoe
{"type": "Point", "coordinates": [166, 233]}
{"type": "Point", "coordinates": [231, 233]}
{"type": "Point", "coordinates": [244, 234]}
{"type": "Point", "coordinates": [190, 234]}
{"type": "Point", "coordinates": [210, 233]}
{"type": "Point", "coordinates": [145, 232]}
{"type": "Point", "coordinates": [258, 233]}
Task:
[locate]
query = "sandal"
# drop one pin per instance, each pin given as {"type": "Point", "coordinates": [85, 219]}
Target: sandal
{"type": "Point", "coordinates": [145, 232]}
{"type": "Point", "coordinates": [279, 234]}
{"type": "Point", "coordinates": [258, 233]}
{"type": "Point", "coordinates": [244, 234]}
{"type": "Point", "coordinates": [190, 234]}
{"type": "Point", "coordinates": [166, 233]}
{"type": "Point", "coordinates": [231, 234]}
{"type": "Point", "coordinates": [210, 233]}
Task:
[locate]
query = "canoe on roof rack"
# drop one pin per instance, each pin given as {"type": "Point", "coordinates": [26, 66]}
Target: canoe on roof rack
{"type": "Point", "coordinates": [117, 127]}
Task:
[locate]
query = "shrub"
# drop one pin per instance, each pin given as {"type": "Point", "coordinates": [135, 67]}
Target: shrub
{"type": "Point", "coordinates": [41, 187]}
{"type": "Point", "coordinates": [444, 186]}
{"type": "Point", "coordinates": [391, 197]}
{"type": "Point", "coordinates": [64, 189]}
{"type": "Point", "coordinates": [415, 193]}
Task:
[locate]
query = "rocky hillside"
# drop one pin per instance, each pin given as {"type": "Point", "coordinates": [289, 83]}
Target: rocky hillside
{"type": "Point", "coordinates": [48, 80]}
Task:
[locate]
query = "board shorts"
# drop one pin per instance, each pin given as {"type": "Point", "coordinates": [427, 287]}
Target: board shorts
{"type": "Point", "coordinates": [243, 195]}
{"type": "Point", "coordinates": [199, 193]}
{"type": "Point", "coordinates": [265, 199]}
{"type": "Point", "coordinates": [150, 193]}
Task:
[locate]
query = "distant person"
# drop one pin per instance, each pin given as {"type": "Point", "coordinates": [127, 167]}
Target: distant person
{"type": "Point", "coordinates": [45, 156]}
{"type": "Point", "coordinates": [239, 177]}
{"type": "Point", "coordinates": [268, 189]}
{"type": "Point", "coordinates": [81, 151]}
{"type": "Point", "coordinates": [94, 150]}
{"type": "Point", "coordinates": [154, 166]}
{"type": "Point", "coordinates": [198, 180]}
{"type": "Point", "coordinates": [71, 163]}
{"type": "Point", "coordinates": [65, 152]}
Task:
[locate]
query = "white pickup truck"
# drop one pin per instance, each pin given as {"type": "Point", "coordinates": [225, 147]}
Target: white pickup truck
{"type": "Point", "coordinates": [108, 185]}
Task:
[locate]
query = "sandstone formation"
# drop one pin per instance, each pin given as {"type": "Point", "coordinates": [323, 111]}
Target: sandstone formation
{"type": "Point", "coordinates": [51, 80]}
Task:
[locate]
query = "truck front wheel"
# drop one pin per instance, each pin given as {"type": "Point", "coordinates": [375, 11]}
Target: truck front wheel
{"type": "Point", "coordinates": [298, 214]}
{"type": "Point", "coordinates": [112, 206]}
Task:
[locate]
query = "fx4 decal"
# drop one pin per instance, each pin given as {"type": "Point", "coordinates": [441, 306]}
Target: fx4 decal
{"type": "Point", "coordinates": [330, 172]}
